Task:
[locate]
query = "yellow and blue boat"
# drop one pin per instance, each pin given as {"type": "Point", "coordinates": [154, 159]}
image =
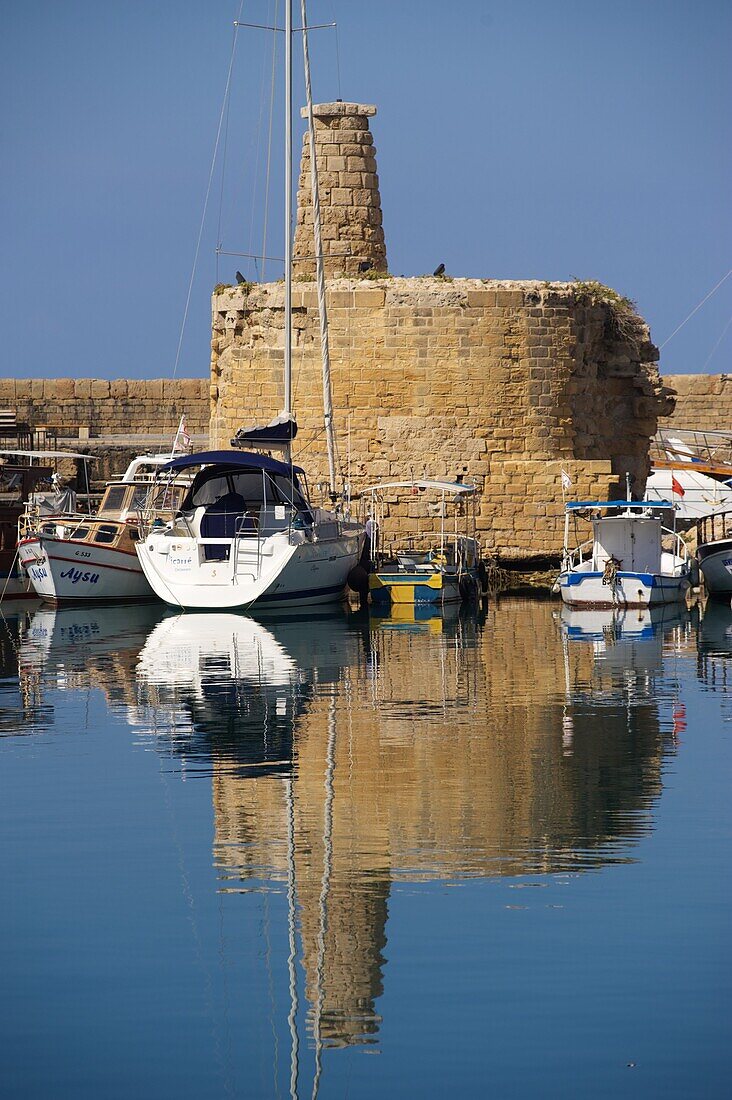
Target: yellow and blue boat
{"type": "Point", "coordinates": [439, 564]}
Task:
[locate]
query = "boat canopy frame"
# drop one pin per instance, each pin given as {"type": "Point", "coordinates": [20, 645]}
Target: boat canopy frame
{"type": "Point", "coordinates": [451, 494]}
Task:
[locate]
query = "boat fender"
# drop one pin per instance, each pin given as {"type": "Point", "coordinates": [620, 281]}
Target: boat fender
{"type": "Point", "coordinates": [358, 580]}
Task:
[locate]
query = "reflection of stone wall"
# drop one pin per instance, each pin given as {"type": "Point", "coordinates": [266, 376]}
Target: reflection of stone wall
{"type": "Point", "coordinates": [452, 756]}
{"type": "Point", "coordinates": [507, 382]}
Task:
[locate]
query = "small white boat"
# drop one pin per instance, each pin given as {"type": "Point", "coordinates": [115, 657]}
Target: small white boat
{"type": "Point", "coordinates": [714, 551]}
{"type": "Point", "coordinates": [436, 567]}
{"type": "Point", "coordinates": [22, 475]}
{"type": "Point", "coordinates": [692, 468]}
{"type": "Point", "coordinates": [246, 534]}
{"type": "Point", "coordinates": [624, 563]}
{"type": "Point", "coordinates": [83, 558]}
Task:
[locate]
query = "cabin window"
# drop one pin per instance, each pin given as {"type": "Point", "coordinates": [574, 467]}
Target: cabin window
{"type": "Point", "coordinates": [106, 532]}
{"type": "Point", "coordinates": [79, 533]}
{"type": "Point", "coordinates": [113, 500]}
{"type": "Point", "coordinates": [165, 497]}
{"type": "Point", "coordinates": [139, 497]}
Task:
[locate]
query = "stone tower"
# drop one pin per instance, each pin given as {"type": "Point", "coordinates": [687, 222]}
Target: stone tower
{"type": "Point", "coordinates": [350, 204]}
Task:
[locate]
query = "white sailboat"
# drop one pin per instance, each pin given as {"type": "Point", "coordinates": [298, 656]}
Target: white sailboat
{"type": "Point", "coordinates": [246, 532]}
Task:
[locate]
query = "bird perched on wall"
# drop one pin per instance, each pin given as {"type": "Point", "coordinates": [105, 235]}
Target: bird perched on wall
{"type": "Point", "coordinates": [439, 270]}
{"type": "Point", "coordinates": [365, 265]}
{"type": "Point", "coordinates": [240, 278]}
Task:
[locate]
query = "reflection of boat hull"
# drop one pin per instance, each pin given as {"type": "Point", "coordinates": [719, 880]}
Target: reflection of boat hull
{"type": "Point", "coordinates": [62, 571]}
{"type": "Point", "coordinates": [587, 589]}
{"type": "Point", "coordinates": [596, 623]}
{"type": "Point", "coordinates": [715, 563]}
{"type": "Point", "coordinates": [301, 573]}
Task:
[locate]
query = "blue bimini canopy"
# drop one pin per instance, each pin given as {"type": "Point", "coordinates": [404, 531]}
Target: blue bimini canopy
{"type": "Point", "coordinates": [241, 459]}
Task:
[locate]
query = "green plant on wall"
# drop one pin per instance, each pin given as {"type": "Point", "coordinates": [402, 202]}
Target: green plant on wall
{"type": "Point", "coordinates": [624, 319]}
{"type": "Point", "coordinates": [595, 293]}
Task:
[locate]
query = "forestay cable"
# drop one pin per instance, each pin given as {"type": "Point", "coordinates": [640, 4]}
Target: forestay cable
{"type": "Point", "coordinates": [208, 188]}
{"type": "Point", "coordinates": [695, 309]}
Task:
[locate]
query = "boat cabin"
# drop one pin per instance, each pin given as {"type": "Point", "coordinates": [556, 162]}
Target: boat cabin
{"type": "Point", "coordinates": [237, 495]}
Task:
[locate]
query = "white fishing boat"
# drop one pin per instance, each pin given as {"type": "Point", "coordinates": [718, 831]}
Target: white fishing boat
{"type": "Point", "coordinates": [624, 563]}
{"type": "Point", "coordinates": [437, 566]}
{"type": "Point", "coordinates": [714, 551]}
{"type": "Point", "coordinates": [247, 533]}
{"type": "Point", "coordinates": [80, 558]}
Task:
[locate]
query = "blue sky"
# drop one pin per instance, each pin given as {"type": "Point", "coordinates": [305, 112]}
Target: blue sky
{"type": "Point", "coordinates": [521, 140]}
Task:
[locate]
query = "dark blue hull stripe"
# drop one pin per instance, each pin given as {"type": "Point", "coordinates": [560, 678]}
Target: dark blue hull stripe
{"type": "Point", "coordinates": [307, 593]}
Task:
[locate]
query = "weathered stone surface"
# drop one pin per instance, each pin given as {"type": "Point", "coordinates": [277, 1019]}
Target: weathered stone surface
{"type": "Point", "coordinates": [507, 382]}
{"type": "Point", "coordinates": [109, 408]}
{"type": "Point", "coordinates": [703, 402]}
{"type": "Point", "coordinates": [351, 220]}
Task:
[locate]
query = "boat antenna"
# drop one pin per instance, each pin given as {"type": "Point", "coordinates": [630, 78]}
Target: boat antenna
{"type": "Point", "coordinates": [319, 269]}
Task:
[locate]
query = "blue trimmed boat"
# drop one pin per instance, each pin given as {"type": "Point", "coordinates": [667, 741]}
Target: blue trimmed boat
{"type": "Point", "coordinates": [625, 562]}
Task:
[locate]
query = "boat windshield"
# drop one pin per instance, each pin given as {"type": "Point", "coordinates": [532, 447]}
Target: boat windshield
{"type": "Point", "coordinates": [254, 487]}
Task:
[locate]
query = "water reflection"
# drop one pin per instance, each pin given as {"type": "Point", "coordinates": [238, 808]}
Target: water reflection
{"type": "Point", "coordinates": [350, 754]}
{"type": "Point", "coordinates": [714, 650]}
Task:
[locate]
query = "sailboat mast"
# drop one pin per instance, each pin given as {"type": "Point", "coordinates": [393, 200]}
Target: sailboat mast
{"type": "Point", "coordinates": [288, 209]}
{"type": "Point", "coordinates": [319, 268]}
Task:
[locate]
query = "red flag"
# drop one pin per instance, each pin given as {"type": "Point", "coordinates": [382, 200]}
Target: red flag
{"type": "Point", "coordinates": [676, 486]}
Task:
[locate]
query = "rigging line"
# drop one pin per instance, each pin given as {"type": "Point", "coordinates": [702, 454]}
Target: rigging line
{"type": "Point", "coordinates": [223, 179]}
{"type": "Point", "coordinates": [257, 158]}
{"type": "Point", "coordinates": [695, 309]}
{"type": "Point", "coordinates": [269, 149]}
{"type": "Point", "coordinates": [208, 192]}
{"type": "Point", "coordinates": [719, 341]}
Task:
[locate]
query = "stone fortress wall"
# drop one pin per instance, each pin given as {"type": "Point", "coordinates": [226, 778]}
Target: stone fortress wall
{"type": "Point", "coordinates": [506, 382]}
{"type": "Point", "coordinates": [502, 381]}
{"type": "Point", "coordinates": [703, 402]}
{"type": "Point", "coordinates": [123, 407]}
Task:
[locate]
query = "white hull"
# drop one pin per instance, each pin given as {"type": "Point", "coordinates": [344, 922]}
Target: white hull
{"type": "Point", "coordinates": [271, 572]}
{"type": "Point", "coordinates": [580, 589]}
{"type": "Point", "coordinates": [62, 571]}
{"type": "Point", "coordinates": [715, 564]}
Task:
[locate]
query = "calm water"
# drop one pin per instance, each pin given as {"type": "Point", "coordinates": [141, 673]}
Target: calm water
{"type": "Point", "coordinates": [365, 857]}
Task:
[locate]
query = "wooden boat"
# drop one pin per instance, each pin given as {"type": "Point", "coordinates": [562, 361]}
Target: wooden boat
{"type": "Point", "coordinates": [438, 566]}
{"type": "Point", "coordinates": [624, 563]}
{"type": "Point", "coordinates": [92, 558]}
{"type": "Point", "coordinates": [692, 468]}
